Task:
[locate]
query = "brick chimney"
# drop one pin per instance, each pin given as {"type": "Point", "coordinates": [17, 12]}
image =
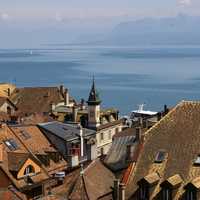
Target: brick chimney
{"type": "Point", "coordinates": [66, 97]}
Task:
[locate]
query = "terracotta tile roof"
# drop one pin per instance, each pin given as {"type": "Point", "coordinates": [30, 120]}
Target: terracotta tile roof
{"type": "Point", "coordinates": [16, 160]}
{"type": "Point", "coordinates": [36, 118]}
{"type": "Point", "coordinates": [173, 180]}
{"type": "Point", "coordinates": [27, 147]}
{"type": "Point", "coordinates": [95, 183]}
{"type": "Point", "coordinates": [6, 194]}
{"type": "Point", "coordinates": [4, 89]}
{"type": "Point", "coordinates": [5, 99]}
{"type": "Point", "coordinates": [38, 144]}
{"type": "Point", "coordinates": [36, 99]}
{"type": "Point", "coordinates": [178, 134]}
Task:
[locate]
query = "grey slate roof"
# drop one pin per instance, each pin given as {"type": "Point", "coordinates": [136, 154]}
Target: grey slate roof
{"type": "Point", "coordinates": [65, 131]}
{"type": "Point", "coordinates": [116, 157]}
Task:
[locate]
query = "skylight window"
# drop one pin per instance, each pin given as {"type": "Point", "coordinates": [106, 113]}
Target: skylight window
{"type": "Point", "coordinates": [197, 160]}
{"type": "Point", "coordinates": [160, 157]}
{"type": "Point", "coordinates": [25, 135]}
{"type": "Point", "coordinates": [11, 144]}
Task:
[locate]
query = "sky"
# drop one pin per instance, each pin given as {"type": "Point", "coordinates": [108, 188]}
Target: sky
{"type": "Point", "coordinates": [59, 10]}
{"type": "Point", "coordinates": [22, 21]}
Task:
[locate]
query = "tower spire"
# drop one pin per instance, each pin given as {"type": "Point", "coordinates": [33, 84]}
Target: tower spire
{"type": "Point", "coordinates": [94, 95]}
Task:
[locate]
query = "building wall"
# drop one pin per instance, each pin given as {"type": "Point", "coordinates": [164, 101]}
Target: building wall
{"type": "Point", "coordinates": [4, 180]}
{"type": "Point", "coordinates": [94, 115]}
{"type": "Point", "coordinates": [4, 107]}
{"type": "Point", "coordinates": [104, 138]}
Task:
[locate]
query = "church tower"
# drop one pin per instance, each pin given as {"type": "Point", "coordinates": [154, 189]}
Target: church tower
{"type": "Point", "coordinates": [93, 107]}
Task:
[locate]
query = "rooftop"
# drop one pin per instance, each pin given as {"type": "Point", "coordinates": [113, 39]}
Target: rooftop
{"type": "Point", "coordinates": [179, 129]}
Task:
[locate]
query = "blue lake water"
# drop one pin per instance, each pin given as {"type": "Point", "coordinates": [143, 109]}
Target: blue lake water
{"type": "Point", "coordinates": [125, 77]}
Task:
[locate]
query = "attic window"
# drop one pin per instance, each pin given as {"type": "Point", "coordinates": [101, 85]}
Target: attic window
{"type": "Point", "coordinates": [197, 161]}
{"type": "Point", "coordinates": [160, 157]}
{"type": "Point", "coordinates": [25, 135]}
{"type": "Point", "coordinates": [11, 144]}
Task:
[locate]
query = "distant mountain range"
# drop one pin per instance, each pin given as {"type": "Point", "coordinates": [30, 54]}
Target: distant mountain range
{"type": "Point", "coordinates": [179, 30]}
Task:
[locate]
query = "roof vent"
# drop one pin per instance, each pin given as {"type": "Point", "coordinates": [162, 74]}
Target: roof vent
{"type": "Point", "coordinates": [160, 156]}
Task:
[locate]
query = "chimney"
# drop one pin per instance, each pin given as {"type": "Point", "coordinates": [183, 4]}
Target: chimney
{"type": "Point", "coordinates": [1, 153]}
{"type": "Point", "coordinates": [138, 133]}
{"type": "Point", "coordinates": [9, 92]}
{"type": "Point", "coordinates": [75, 113]}
{"type": "Point", "coordinates": [140, 120]}
{"type": "Point", "coordinates": [159, 116]}
{"type": "Point", "coordinates": [81, 136]}
{"type": "Point", "coordinates": [128, 153]}
{"type": "Point", "coordinates": [166, 110]}
{"type": "Point", "coordinates": [66, 97]}
{"type": "Point", "coordinates": [82, 104]}
{"type": "Point", "coordinates": [62, 89]}
{"type": "Point", "coordinates": [122, 191]}
{"type": "Point", "coordinates": [116, 189]}
{"type": "Point", "coordinates": [53, 106]}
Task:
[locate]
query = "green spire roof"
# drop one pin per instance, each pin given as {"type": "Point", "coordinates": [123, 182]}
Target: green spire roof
{"type": "Point", "coordinates": [93, 96]}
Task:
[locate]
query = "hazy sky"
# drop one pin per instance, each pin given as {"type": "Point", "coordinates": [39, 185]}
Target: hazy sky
{"type": "Point", "coordinates": [93, 9]}
{"type": "Point", "coordinates": [31, 22]}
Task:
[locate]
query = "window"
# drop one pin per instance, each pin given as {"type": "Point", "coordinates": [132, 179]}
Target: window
{"type": "Point", "coordinates": [143, 192]}
{"type": "Point", "coordinates": [191, 195]}
{"type": "Point", "coordinates": [166, 194]}
{"type": "Point", "coordinates": [101, 136]}
{"type": "Point", "coordinates": [9, 111]}
{"type": "Point", "coordinates": [29, 170]}
{"type": "Point", "coordinates": [11, 144]}
{"type": "Point", "coordinates": [160, 157]}
{"type": "Point", "coordinates": [25, 135]}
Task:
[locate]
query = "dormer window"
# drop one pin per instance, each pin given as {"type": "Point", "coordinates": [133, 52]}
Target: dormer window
{"type": "Point", "coordinates": [147, 186]}
{"type": "Point", "coordinates": [166, 194]}
{"type": "Point", "coordinates": [160, 156]}
{"type": "Point", "coordinates": [29, 170]}
{"type": "Point", "coordinates": [143, 192]}
{"type": "Point", "coordinates": [197, 160]}
{"type": "Point", "coordinates": [191, 195]}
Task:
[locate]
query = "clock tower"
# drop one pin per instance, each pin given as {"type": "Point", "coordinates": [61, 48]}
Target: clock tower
{"type": "Point", "coordinates": [93, 107]}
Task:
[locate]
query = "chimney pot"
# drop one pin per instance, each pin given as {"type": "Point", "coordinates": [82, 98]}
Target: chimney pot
{"type": "Point", "coordinates": [138, 133]}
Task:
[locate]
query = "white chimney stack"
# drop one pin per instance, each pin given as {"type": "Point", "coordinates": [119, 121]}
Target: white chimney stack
{"type": "Point", "coordinates": [81, 136]}
{"type": "Point", "coordinates": [66, 97]}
